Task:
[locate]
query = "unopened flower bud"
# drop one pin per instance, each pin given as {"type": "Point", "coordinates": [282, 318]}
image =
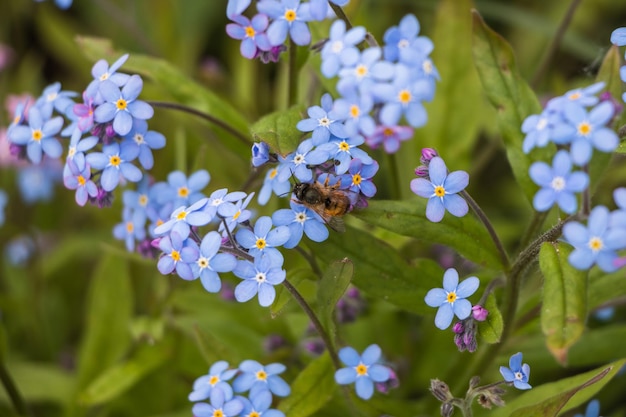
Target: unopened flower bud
{"type": "Point", "coordinates": [440, 390]}
{"type": "Point", "coordinates": [479, 313]}
{"type": "Point", "coordinates": [421, 171]}
{"type": "Point", "coordinates": [427, 155]}
{"type": "Point", "coordinates": [458, 327]}
{"type": "Point", "coordinates": [260, 154]}
{"type": "Point", "coordinates": [474, 381]}
{"type": "Point", "coordinates": [447, 409]}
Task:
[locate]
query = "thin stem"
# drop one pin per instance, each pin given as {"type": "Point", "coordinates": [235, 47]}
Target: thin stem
{"type": "Point", "coordinates": [535, 224]}
{"type": "Point", "coordinates": [14, 394]}
{"type": "Point", "coordinates": [227, 127]}
{"type": "Point", "coordinates": [311, 260]}
{"type": "Point", "coordinates": [292, 74]}
{"type": "Point", "coordinates": [492, 232]}
{"type": "Point", "coordinates": [395, 176]}
{"type": "Point", "coordinates": [316, 323]}
{"type": "Point", "coordinates": [556, 41]}
{"type": "Point", "coordinates": [341, 14]}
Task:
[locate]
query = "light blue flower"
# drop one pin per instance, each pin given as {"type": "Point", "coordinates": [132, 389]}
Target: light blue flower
{"type": "Point", "coordinates": [340, 50]}
{"type": "Point", "coordinates": [183, 218]}
{"type": "Point", "coordinates": [52, 98]}
{"type": "Point", "coordinates": [442, 190]}
{"type": "Point", "coordinates": [359, 177]}
{"type": "Point", "coordinates": [300, 220]}
{"type": "Point", "coordinates": [181, 190]}
{"type": "Point", "coordinates": [259, 405]}
{"type": "Point", "coordinates": [224, 203]}
{"type": "Point", "coordinates": [451, 299]}
{"type": "Point", "coordinates": [320, 9]}
{"type": "Point", "coordinates": [79, 179]}
{"type": "Point", "coordinates": [260, 153]}
{"type": "Point", "coordinates": [289, 17]}
{"type": "Point", "coordinates": [593, 408]}
{"type": "Point", "coordinates": [115, 162]}
{"type": "Point", "coordinates": [272, 183]}
{"type": "Point", "coordinates": [390, 137]}
{"type": "Point", "coordinates": [402, 43]}
{"type": "Point", "coordinates": [358, 108]}
{"type": "Point", "coordinates": [209, 262]}
{"type": "Point", "coordinates": [368, 70]}
{"type": "Point", "coordinates": [344, 150]}
{"type": "Point", "coordinates": [618, 37]}
{"type": "Point", "coordinates": [258, 278]}
{"type": "Point", "coordinates": [36, 182]}
{"type": "Point", "coordinates": [251, 33]}
{"type": "Point", "coordinates": [363, 370]}
{"type": "Point", "coordinates": [596, 243]}
{"type": "Point", "coordinates": [296, 163]}
{"type": "Point", "coordinates": [324, 121]}
{"type": "Point", "coordinates": [257, 378]}
{"type": "Point", "coordinates": [122, 106]}
{"type": "Point", "coordinates": [101, 71]}
{"type": "Point", "coordinates": [264, 239]}
{"type": "Point", "coordinates": [539, 129]}
{"type": "Point", "coordinates": [132, 228]}
{"type": "Point", "coordinates": [145, 140]}
{"type": "Point", "coordinates": [235, 213]}
{"type": "Point", "coordinates": [558, 184]}
{"type": "Point", "coordinates": [517, 373]}
{"type": "Point", "coordinates": [236, 7]}
{"type": "Point", "coordinates": [618, 217]}
{"type": "Point", "coordinates": [38, 136]}
{"type": "Point", "coordinates": [216, 378]}
{"type": "Point", "coordinates": [584, 97]}
{"type": "Point", "coordinates": [221, 405]}
{"type": "Point", "coordinates": [178, 254]}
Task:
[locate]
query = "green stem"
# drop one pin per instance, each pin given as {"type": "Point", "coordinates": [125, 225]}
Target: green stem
{"type": "Point", "coordinates": [14, 394]}
{"type": "Point", "coordinates": [395, 176]}
{"type": "Point", "coordinates": [316, 323]}
{"type": "Point", "coordinates": [533, 228]}
{"type": "Point", "coordinates": [311, 260]}
{"type": "Point", "coordinates": [218, 122]}
{"type": "Point", "coordinates": [341, 14]}
{"type": "Point", "coordinates": [492, 232]}
{"type": "Point", "coordinates": [292, 74]}
{"type": "Point", "coordinates": [556, 41]}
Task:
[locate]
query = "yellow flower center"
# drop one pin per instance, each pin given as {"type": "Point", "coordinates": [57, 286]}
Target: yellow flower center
{"type": "Point", "coordinates": [203, 263]}
{"type": "Point", "coordinates": [183, 192]}
{"type": "Point", "coordinates": [290, 15]}
{"type": "Point", "coordinates": [254, 414]}
{"type": "Point", "coordinates": [451, 297]}
{"type": "Point", "coordinates": [182, 215]}
{"type": "Point", "coordinates": [574, 96]}
{"type": "Point", "coordinates": [440, 191]}
{"type": "Point", "coordinates": [584, 128]}
{"type": "Point", "coordinates": [343, 146]}
{"type": "Point", "coordinates": [121, 104]}
{"type": "Point", "coordinates": [404, 96]}
{"type": "Point", "coordinates": [130, 227]}
{"type": "Point", "coordinates": [260, 243]}
{"type": "Point", "coordinates": [356, 179]}
{"type": "Point", "coordinates": [81, 180]}
{"type": "Point", "coordinates": [115, 160]}
{"type": "Point", "coordinates": [143, 200]}
{"type": "Point", "coordinates": [236, 215]}
{"type": "Point", "coordinates": [261, 375]}
{"type": "Point", "coordinates": [175, 255]}
{"type": "Point", "coordinates": [388, 132]}
{"type": "Point", "coordinates": [595, 244]}
{"type": "Point", "coordinates": [355, 111]}
{"type": "Point", "coordinates": [214, 380]}
{"type": "Point", "coordinates": [250, 32]}
{"type": "Point", "coordinates": [361, 71]}
{"type": "Point", "coordinates": [273, 173]}
{"type": "Point", "coordinates": [218, 413]}
{"type": "Point", "coordinates": [37, 135]}
{"type": "Point", "coordinates": [361, 369]}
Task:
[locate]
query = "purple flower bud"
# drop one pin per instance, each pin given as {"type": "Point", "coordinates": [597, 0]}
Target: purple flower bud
{"type": "Point", "coordinates": [421, 171]}
{"type": "Point", "coordinates": [458, 327]}
{"type": "Point", "coordinates": [274, 342]}
{"type": "Point", "coordinates": [617, 105]}
{"type": "Point", "coordinates": [392, 382]}
{"type": "Point", "coordinates": [427, 155]}
{"type": "Point", "coordinates": [479, 313]}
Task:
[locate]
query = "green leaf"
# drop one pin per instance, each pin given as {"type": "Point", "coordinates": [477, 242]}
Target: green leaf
{"type": "Point", "coordinates": [311, 390]}
{"type": "Point", "coordinates": [40, 382]}
{"type": "Point", "coordinates": [333, 285]}
{"type": "Point", "coordinates": [510, 95]}
{"type": "Point", "coordinates": [550, 399]}
{"type": "Point", "coordinates": [490, 330]}
{"type": "Point", "coordinates": [110, 305]}
{"type": "Point", "coordinates": [381, 272]}
{"type": "Point", "coordinates": [466, 235]}
{"type": "Point", "coordinates": [564, 307]}
{"type": "Point", "coordinates": [120, 378]}
{"type": "Point", "coordinates": [604, 288]}
{"type": "Point", "coordinates": [278, 129]}
{"type": "Point", "coordinates": [180, 86]}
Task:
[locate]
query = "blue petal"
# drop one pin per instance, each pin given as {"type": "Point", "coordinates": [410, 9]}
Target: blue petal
{"type": "Point", "coordinates": [456, 205]}
{"type": "Point", "coordinates": [379, 373]}
{"type": "Point", "coordinates": [349, 356]}
{"type": "Point", "coordinates": [422, 187]}
{"type": "Point", "coordinates": [267, 294]}
{"type": "Point", "coordinates": [435, 209]}
{"type": "Point", "coordinates": [371, 355]}
{"type": "Point", "coordinates": [364, 387]}
{"type": "Point", "coordinates": [245, 290]}
{"type": "Point", "coordinates": [444, 316]}
{"type": "Point", "coordinates": [462, 309]}
{"type": "Point", "coordinates": [435, 297]}
{"type": "Point", "coordinates": [278, 386]}
{"type": "Point", "coordinates": [467, 287]}
{"type": "Point", "coordinates": [450, 280]}
{"type": "Point", "coordinates": [345, 376]}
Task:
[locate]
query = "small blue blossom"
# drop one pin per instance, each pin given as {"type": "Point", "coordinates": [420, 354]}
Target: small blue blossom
{"type": "Point", "coordinates": [36, 182]}
{"type": "Point", "coordinates": [588, 130]}
{"type": "Point", "coordinates": [216, 378]}
{"type": "Point", "coordinates": [451, 299]}
{"type": "Point", "coordinates": [183, 191]}
{"type": "Point", "coordinates": [359, 177]}
{"type": "Point", "coordinates": [368, 70]}
{"type": "Point", "coordinates": [102, 72]}
{"type": "Point", "coordinates": [236, 7]}
{"type": "Point", "coordinates": [539, 129]}
{"type": "Point", "coordinates": [618, 217]}
{"type": "Point", "coordinates": [209, 262]}
{"type": "Point", "coordinates": [131, 229]}
{"type": "Point", "coordinates": [358, 108]}
{"type": "Point", "coordinates": [234, 213]}
{"type": "Point", "coordinates": [324, 121]}
{"type": "Point", "coordinates": [260, 154]}
{"type": "Point", "coordinates": [517, 373]}
{"type": "Point", "coordinates": [320, 9]}
{"type": "Point", "coordinates": [258, 378]}
{"type": "Point", "coordinates": [363, 370]}
{"type": "Point", "coordinates": [38, 136]}
{"type": "Point", "coordinates": [251, 33]}
{"type": "Point", "coordinates": [221, 405]}
{"type": "Point", "coordinates": [80, 180]}
{"type": "Point", "coordinates": [178, 254]}
{"type": "Point", "coordinates": [272, 183]}
{"type": "Point", "coordinates": [390, 137]}
{"type": "Point", "coordinates": [145, 140]}
{"type": "Point", "coordinates": [593, 408]}
{"type": "Point", "coordinates": [584, 97]}
{"type": "Point", "coordinates": [264, 239]}
{"type": "Point", "coordinates": [53, 98]}
{"type": "Point", "coordinates": [343, 151]}
{"type": "Point", "coordinates": [402, 43]}
{"type": "Point", "coordinates": [618, 37]}
{"type": "Point", "coordinates": [183, 218]}
{"type": "Point", "coordinates": [122, 106]}
{"type": "Point", "coordinates": [442, 190]}
{"type": "Point", "coordinates": [258, 278]}
{"type": "Point", "coordinates": [115, 161]}
{"type": "Point", "coordinates": [340, 50]}
{"type": "Point", "coordinates": [595, 244]}
{"type": "Point", "coordinates": [259, 405]}
{"type": "Point", "coordinates": [289, 17]}
{"type": "Point", "coordinates": [300, 219]}
{"type": "Point", "coordinates": [296, 163]}
{"type": "Point", "coordinates": [223, 203]}
{"type": "Point", "coordinates": [558, 184]}
{"type": "Point", "coordinates": [19, 250]}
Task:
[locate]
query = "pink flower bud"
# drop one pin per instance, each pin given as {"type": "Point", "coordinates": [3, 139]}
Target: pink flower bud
{"type": "Point", "coordinates": [479, 313]}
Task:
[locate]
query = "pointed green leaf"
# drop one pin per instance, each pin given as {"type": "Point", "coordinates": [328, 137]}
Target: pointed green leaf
{"type": "Point", "coordinates": [40, 382]}
{"type": "Point", "coordinates": [181, 87]}
{"type": "Point", "coordinates": [466, 235]}
{"type": "Point", "coordinates": [311, 390]}
{"type": "Point", "coordinates": [560, 396]}
{"type": "Point", "coordinates": [120, 378]}
{"type": "Point", "coordinates": [278, 130]}
{"type": "Point", "coordinates": [381, 272]}
{"type": "Point", "coordinates": [510, 95]}
{"type": "Point", "coordinates": [332, 286]}
{"type": "Point", "coordinates": [110, 306]}
{"type": "Point", "coordinates": [490, 330]}
{"type": "Point", "coordinates": [564, 307]}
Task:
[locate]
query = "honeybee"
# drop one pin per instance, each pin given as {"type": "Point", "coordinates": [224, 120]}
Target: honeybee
{"type": "Point", "coordinates": [329, 202]}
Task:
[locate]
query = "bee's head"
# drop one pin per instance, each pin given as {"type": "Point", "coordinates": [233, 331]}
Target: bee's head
{"type": "Point", "coordinates": [300, 189]}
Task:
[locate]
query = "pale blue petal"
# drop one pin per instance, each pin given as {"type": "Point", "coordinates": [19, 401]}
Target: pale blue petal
{"type": "Point", "coordinates": [444, 316]}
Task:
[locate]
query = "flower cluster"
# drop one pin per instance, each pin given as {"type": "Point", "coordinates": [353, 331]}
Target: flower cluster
{"type": "Point", "coordinates": [213, 394]}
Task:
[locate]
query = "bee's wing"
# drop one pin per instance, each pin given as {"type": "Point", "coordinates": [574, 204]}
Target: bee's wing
{"type": "Point", "coordinates": [336, 223]}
